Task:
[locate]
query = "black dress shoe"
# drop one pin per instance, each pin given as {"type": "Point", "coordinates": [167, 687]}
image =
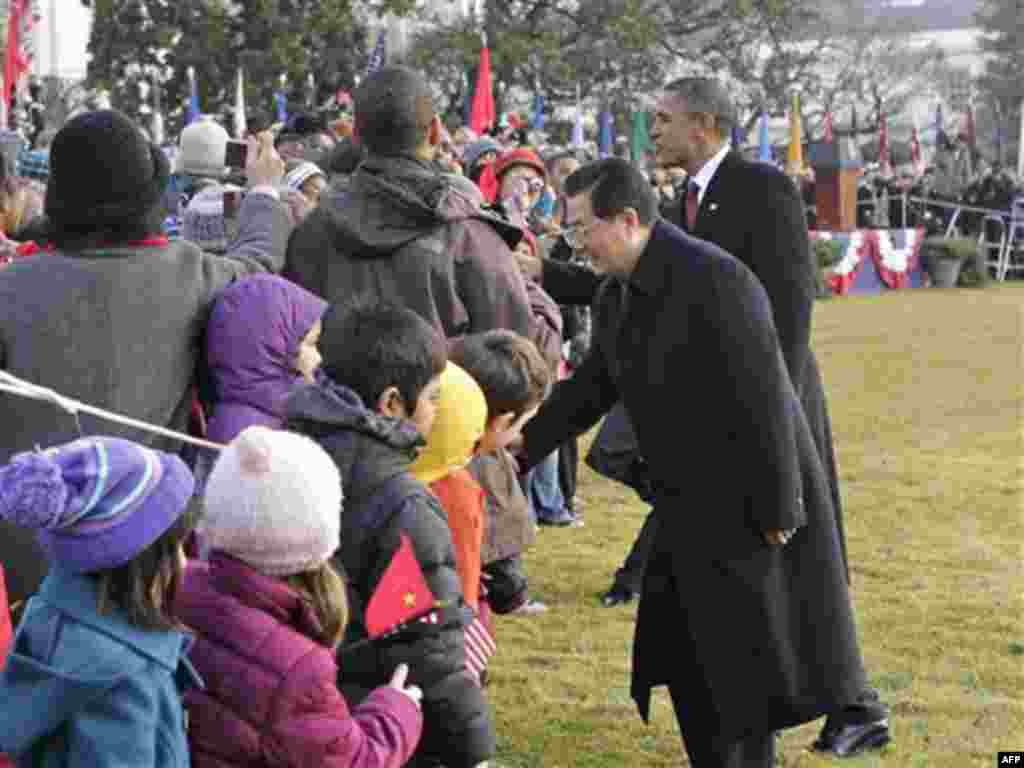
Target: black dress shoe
{"type": "Point", "coordinates": [617, 595]}
{"type": "Point", "coordinates": [850, 740]}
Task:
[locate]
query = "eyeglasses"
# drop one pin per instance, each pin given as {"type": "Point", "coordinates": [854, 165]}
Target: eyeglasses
{"type": "Point", "coordinates": [575, 235]}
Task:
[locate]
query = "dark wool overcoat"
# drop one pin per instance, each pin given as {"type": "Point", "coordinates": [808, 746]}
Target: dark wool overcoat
{"type": "Point", "coordinates": [763, 636]}
{"type": "Point", "coordinates": [755, 212]}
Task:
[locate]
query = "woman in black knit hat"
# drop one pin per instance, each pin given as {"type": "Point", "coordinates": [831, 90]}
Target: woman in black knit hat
{"type": "Point", "coordinates": [114, 316]}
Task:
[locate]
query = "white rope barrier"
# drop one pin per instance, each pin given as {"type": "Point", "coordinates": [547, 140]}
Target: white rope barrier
{"type": "Point", "coordinates": [21, 388]}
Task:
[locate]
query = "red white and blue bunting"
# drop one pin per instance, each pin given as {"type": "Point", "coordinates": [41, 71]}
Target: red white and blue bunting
{"type": "Point", "coordinates": [895, 253]}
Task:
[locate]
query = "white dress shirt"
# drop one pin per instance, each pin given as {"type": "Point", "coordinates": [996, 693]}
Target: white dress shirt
{"type": "Point", "coordinates": [708, 170]}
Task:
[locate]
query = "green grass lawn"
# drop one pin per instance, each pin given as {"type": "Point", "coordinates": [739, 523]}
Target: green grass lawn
{"type": "Point", "coordinates": [925, 389]}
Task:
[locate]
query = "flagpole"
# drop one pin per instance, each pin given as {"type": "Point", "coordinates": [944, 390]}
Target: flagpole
{"type": "Point", "coordinates": [240, 121]}
{"type": "Point", "coordinates": [1020, 145]}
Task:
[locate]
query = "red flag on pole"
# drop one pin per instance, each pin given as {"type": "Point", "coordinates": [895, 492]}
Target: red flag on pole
{"type": "Point", "coordinates": [972, 137]}
{"type": "Point", "coordinates": [828, 126]}
{"type": "Point", "coordinates": [402, 594]}
{"type": "Point", "coordinates": [884, 163]}
{"type": "Point", "coordinates": [481, 117]}
{"type": "Point", "coordinates": [11, 55]}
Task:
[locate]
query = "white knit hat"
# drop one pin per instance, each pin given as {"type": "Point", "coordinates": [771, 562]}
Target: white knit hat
{"type": "Point", "coordinates": [302, 173]}
{"type": "Point", "coordinates": [273, 500]}
{"type": "Point", "coordinates": [202, 149]}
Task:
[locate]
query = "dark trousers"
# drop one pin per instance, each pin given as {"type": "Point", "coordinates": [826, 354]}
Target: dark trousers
{"type": "Point", "coordinates": [568, 468]}
{"type": "Point", "coordinates": [631, 575]}
{"type": "Point", "coordinates": [755, 751]}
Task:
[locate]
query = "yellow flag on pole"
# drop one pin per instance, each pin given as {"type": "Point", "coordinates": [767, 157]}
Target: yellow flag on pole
{"type": "Point", "coordinates": [795, 161]}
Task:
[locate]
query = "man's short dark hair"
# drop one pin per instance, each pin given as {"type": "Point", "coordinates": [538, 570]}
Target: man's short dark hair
{"type": "Point", "coordinates": [614, 185]}
{"type": "Point", "coordinates": [369, 346]}
{"type": "Point", "coordinates": [708, 96]}
{"type": "Point", "coordinates": [394, 109]}
{"type": "Point", "coordinates": [509, 369]}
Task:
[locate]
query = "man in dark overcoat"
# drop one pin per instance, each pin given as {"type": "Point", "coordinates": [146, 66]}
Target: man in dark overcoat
{"type": "Point", "coordinates": [754, 212]}
{"type": "Point", "coordinates": [744, 613]}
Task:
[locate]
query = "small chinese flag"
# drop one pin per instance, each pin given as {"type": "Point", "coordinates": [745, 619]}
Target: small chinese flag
{"type": "Point", "coordinates": [402, 594]}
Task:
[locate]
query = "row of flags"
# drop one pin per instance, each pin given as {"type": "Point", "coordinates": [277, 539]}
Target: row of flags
{"type": "Point", "coordinates": [795, 161]}
{"type": "Point", "coordinates": [480, 108]}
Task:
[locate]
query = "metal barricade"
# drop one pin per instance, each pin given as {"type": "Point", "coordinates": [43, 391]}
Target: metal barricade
{"type": "Point", "coordinates": [1013, 253]}
{"type": "Point", "coordinates": [996, 263]}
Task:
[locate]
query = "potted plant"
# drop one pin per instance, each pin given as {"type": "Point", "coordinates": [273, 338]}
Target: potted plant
{"type": "Point", "coordinates": [944, 257]}
{"type": "Point", "coordinates": [975, 270]}
{"type": "Point", "coordinates": [827, 254]}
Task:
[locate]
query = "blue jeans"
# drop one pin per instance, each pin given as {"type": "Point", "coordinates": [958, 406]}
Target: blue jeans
{"type": "Point", "coordinates": [545, 492]}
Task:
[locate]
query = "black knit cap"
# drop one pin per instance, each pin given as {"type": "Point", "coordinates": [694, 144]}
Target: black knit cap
{"type": "Point", "coordinates": [102, 170]}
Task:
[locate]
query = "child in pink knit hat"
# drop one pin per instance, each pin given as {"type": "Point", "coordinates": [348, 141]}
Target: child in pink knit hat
{"type": "Point", "coordinates": [268, 609]}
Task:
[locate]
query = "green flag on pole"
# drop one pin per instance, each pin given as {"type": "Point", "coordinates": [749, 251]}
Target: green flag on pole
{"type": "Point", "coordinates": [640, 141]}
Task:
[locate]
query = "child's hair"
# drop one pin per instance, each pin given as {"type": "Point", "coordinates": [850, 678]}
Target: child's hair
{"type": "Point", "coordinates": [145, 588]}
{"type": "Point", "coordinates": [509, 369]}
{"type": "Point", "coordinates": [325, 591]}
{"type": "Point", "coordinates": [369, 347]}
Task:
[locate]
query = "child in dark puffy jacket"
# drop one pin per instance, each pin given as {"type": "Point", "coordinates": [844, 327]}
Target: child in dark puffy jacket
{"type": "Point", "coordinates": [370, 410]}
{"type": "Point", "coordinates": [268, 609]}
{"type": "Point", "coordinates": [98, 667]}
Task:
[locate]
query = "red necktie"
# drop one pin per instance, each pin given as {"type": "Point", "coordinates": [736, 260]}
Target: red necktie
{"type": "Point", "coordinates": [692, 203]}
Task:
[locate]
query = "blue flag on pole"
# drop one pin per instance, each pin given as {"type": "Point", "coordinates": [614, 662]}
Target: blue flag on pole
{"type": "Point", "coordinates": [940, 127]}
{"type": "Point", "coordinates": [737, 137]}
{"type": "Point", "coordinates": [379, 54]}
{"type": "Point", "coordinates": [193, 100]}
{"type": "Point", "coordinates": [281, 106]}
{"type": "Point", "coordinates": [606, 140]}
{"type": "Point", "coordinates": [537, 123]}
{"type": "Point", "coordinates": [765, 151]}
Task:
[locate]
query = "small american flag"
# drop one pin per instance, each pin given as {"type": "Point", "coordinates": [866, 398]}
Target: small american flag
{"type": "Point", "coordinates": [480, 646]}
{"type": "Point", "coordinates": [378, 55]}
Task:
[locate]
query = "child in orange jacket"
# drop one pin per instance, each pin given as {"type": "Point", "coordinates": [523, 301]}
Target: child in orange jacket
{"type": "Point", "coordinates": [459, 425]}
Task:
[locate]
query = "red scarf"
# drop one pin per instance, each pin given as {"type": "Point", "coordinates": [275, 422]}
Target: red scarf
{"type": "Point", "coordinates": [31, 248]}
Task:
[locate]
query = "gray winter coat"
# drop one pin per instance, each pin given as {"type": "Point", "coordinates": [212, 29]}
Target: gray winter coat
{"type": "Point", "coordinates": [119, 328]}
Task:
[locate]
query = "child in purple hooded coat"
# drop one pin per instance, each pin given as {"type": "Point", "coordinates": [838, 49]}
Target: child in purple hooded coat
{"type": "Point", "coordinates": [260, 342]}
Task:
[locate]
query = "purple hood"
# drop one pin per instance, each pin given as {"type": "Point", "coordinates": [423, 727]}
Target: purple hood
{"type": "Point", "coordinates": [252, 338]}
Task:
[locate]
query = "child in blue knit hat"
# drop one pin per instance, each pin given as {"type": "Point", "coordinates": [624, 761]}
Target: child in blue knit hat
{"type": "Point", "coordinates": [98, 667]}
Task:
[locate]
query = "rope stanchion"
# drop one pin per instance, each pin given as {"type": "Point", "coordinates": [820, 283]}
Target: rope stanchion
{"type": "Point", "coordinates": [21, 388]}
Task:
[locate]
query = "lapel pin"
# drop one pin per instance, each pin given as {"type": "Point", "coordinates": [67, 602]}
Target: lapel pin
{"type": "Point", "coordinates": [713, 207]}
